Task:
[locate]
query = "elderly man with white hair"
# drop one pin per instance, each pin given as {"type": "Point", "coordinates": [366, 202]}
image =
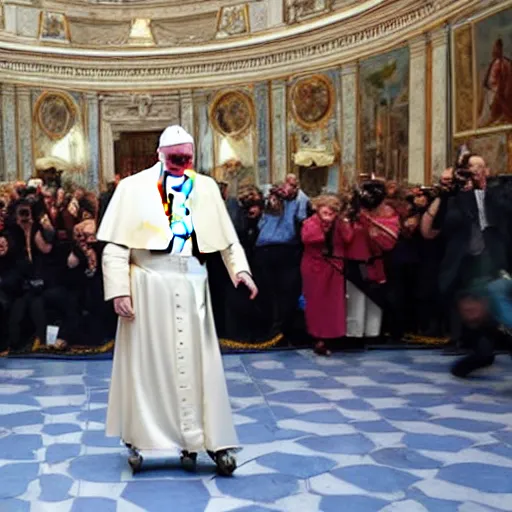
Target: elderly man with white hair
{"type": "Point", "coordinates": [168, 388]}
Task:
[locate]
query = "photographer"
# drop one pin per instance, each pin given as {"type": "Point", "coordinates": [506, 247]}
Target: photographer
{"type": "Point", "coordinates": [325, 236]}
{"type": "Point", "coordinates": [37, 262]}
{"type": "Point", "coordinates": [404, 267]}
{"type": "Point", "coordinates": [85, 285]}
{"type": "Point", "coordinates": [476, 234]}
{"type": "Point", "coordinates": [237, 317]}
{"type": "Point", "coordinates": [376, 228]}
{"type": "Point", "coordinates": [278, 253]}
{"type": "Point", "coordinates": [29, 247]}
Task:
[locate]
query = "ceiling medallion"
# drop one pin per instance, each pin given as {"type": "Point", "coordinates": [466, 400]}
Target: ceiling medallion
{"type": "Point", "coordinates": [312, 101]}
{"type": "Point", "coordinates": [232, 113]}
{"type": "Point", "coordinates": [55, 113]}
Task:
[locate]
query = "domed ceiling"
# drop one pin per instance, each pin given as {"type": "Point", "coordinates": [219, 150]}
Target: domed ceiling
{"type": "Point", "coordinates": [160, 23]}
{"type": "Point", "coordinates": [177, 42]}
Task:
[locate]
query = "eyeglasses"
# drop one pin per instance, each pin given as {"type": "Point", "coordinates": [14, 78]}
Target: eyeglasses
{"type": "Point", "coordinates": [180, 159]}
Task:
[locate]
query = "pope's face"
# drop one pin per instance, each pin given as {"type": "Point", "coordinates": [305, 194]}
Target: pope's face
{"type": "Point", "coordinates": [177, 159]}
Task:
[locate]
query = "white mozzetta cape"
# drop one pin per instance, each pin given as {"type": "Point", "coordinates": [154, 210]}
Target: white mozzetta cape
{"type": "Point", "coordinates": [135, 219]}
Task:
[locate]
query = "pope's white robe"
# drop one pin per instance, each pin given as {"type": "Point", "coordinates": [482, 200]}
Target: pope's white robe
{"type": "Point", "coordinates": [168, 388]}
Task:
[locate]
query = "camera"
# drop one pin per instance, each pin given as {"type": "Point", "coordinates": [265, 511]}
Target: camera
{"type": "Point", "coordinates": [370, 195]}
{"type": "Point", "coordinates": [462, 175]}
{"type": "Point", "coordinates": [24, 213]}
{"type": "Point", "coordinates": [461, 178]}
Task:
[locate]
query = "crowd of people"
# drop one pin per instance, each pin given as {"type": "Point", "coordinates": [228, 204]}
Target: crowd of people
{"type": "Point", "coordinates": [50, 268]}
{"type": "Point", "coordinates": [374, 263]}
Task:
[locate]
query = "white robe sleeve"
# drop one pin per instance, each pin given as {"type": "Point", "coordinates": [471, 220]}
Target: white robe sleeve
{"type": "Point", "coordinates": [116, 271]}
{"type": "Point", "coordinates": [235, 260]}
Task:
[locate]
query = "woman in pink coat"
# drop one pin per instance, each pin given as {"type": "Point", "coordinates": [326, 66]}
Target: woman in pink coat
{"type": "Point", "coordinates": [324, 236]}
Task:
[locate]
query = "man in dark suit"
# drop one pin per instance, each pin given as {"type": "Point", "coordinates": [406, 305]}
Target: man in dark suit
{"type": "Point", "coordinates": [476, 232]}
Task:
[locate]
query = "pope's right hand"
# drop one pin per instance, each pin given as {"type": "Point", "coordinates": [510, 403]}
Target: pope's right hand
{"type": "Point", "coordinates": [123, 307]}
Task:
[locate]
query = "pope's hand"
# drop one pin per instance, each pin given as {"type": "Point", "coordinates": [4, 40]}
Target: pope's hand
{"type": "Point", "coordinates": [123, 307]}
{"type": "Point", "coordinates": [246, 279]}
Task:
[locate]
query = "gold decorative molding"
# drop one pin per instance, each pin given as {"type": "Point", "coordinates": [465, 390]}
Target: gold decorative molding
{"type": "Point", "coordinates": [55, 113]}
{"type": "Point", "coordinates": [53, 27]}
{"type": "Point", "coordinates": [310, 94]}
{"type": "Point", "coordinates": [231, 61]}
{"type": "Point", "coordinates": [466, 85]}
{"type": "Point", "coordinates": [232, 113]}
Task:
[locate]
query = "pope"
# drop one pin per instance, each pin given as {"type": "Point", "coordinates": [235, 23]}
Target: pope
{"type": "Point", "coordinates": [168, 388]}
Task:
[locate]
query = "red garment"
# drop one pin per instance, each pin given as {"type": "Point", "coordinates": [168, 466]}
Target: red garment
{"type": "Point", "coordinates": [499, 80]}
{"type": "Point", "coordinates": [374, 235]}
{"type": "Point", "coordinates": [323, 283]}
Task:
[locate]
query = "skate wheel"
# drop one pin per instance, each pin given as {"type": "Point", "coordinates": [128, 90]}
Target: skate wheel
{"type": "Point", "coordinates": [225, 461]}
{"type": "Point", "coordinates": [189, 461]}
{"type": "Point", "coordinates": [135, 462]}
{"type": "Point", "coordinates": [226, 465]}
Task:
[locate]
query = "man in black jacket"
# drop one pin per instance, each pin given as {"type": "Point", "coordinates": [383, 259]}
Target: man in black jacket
{"type": "Point", "coordinates": [476, 231]}
{"type": "Point", "coordinates": [10, 285]}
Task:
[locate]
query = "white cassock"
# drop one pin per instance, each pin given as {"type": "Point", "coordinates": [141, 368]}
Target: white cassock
{"type": "Point", "coordinates": [168, 388]}
{"type": "Point", "coordinates": [364, 317]}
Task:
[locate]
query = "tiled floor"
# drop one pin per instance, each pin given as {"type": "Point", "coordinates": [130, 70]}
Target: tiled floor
{"type": "Point", "coordinates": [380, 431]}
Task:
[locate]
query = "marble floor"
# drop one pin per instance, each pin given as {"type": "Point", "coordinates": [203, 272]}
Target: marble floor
{"type": "Point", "coordinates": [376, 431]}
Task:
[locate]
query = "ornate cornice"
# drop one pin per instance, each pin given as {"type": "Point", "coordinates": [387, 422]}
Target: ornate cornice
{"type": "Point", "coordinates": [364, 7]}
{"type": "Point", "coordinates": [384, 28]}
{"type": "Point", "coordinates": [145, 8]}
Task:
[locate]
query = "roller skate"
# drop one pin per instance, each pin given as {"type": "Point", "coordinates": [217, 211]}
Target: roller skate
{"type": "Point", "coordinates": [135, 459]}
{"type": "Point", "coordinates": [188, 461]}
{"type": "Point", "coordinates": [225, 461]}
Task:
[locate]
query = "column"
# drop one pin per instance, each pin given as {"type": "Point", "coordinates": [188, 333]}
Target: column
{"type": "Point", "coordinates": [333, 133]}
{"type": "Point", "coordinates": [187, 111]}
{"type": "Point", "coordinates": [107, 142]}
{"type": "Point", "coordinates": [279, 167]}
{"type": "Point", "coordinates": [93, 138]}
{"type": "Point", "coordinates": [417, 109]}
{"type": "Point", "coordinates": [9, 133]}
{"type": "Point", "coordinates": [261, 90]}
{"type": "Point", "coordinates": [24, 132]}
{"type": "Point", "coordinates": [204, 142]}
{"type": "Point", "coordinates": [348, 130]}
{"type": "Point", "coordinates": [439, 135]}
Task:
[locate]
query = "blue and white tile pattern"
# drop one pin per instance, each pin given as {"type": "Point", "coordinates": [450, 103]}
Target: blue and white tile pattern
{"type": "Point", "coordinates": [379, 431]}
